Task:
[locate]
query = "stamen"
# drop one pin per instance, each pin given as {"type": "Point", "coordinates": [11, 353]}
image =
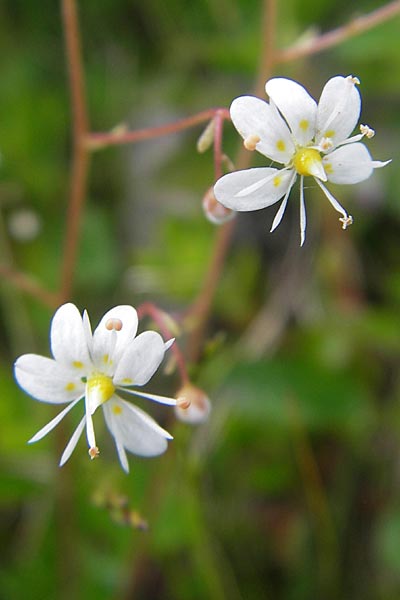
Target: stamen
{"type": "Point", "coordinates": [367, 131]}
{"type": "Point", "coordinates": [326, 144]}
{"type": "Point", "coordinates": [346, 221]}
{"type": "Point", "coordinates": [251, 141]}
{"type": "Point", "coordinates": [333, 201]}
{"type": "Point", "coordinates": [114, 324]}
{"type": "Point", "coordinates": [183, 402]}
{"type": "Point", "coordinates": [94, 452]}
{"type": "Point", "coordinates": [353, 79]}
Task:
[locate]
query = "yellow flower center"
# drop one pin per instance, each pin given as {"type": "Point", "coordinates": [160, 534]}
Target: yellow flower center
{"type": "Point", "coordinates": [307, 161]}
{"type": "Point", "coordinates": [100, 387]}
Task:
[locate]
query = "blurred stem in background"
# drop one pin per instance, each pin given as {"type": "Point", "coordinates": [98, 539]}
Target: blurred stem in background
{"type": "Point", "coordinates": [80, 152]}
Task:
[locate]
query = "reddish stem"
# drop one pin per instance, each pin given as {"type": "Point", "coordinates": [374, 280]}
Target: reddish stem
{"type": "Point", "coordinates": [29, 285]}
{"type": "Point", "coordinates": [336, 36]}
{"type": "Point", "coordinates": [218, 132]}
{"type": "Point", "coordinates": [159, 317]}
{"type": "Point", "coordinates": [96, 141]}
{"type": "Point", "coordinates": [202, 305]}
{"type": "Point", "coordinates": [80, 158]}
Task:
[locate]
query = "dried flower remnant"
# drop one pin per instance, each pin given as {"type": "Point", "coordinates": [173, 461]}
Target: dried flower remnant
{"type": "Point", "coordinates": [95, 367]}
{"type": "Point", "coordinates": [192, 405]}
{"type": "Point", "coordinates": [214, 211]}
{"type": "Point", "coordinates": [308, 139]}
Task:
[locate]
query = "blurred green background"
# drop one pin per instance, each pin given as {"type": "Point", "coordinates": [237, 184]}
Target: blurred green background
{"type": "Point", "coordinates": [291, 490]}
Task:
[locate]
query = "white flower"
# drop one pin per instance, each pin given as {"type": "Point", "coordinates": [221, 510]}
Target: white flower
{"type": "Point", "coordinates": [94, 367]}
{"type": "Point", "coordinates": [308, 139]}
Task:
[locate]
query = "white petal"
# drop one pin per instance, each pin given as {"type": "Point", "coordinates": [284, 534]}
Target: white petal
{"type": "Point", "coordinates": [338, 110]}
{"type": "Point", "coordinates": [134, 429]}
{"type": "Point", "coordinates": [349, 164]}
{"type": "Point", "coordinates": [90, 435]}
{"type": "Point", "coordinates": [46, 380]}
{"type": "Point", "coordinates": [279, 215]}
{"type": "Point", "coordinates": [168, 344]}
{"type": "Point", "coordinates": [107, 342]}
{"type": "Point", "coordinates": [336, 205]}
{"type": "Point", "coordinates": [87, 328]}
{"type": "Point", "coordinates": [296, 105]}
{"type": "Point", "coordinates": [50, 426]}
{"type": "Point", "coordinates": [109, 417]}
{"type": "Point", "coordinates": [282, 208]}
{"type": "Point", "coordinates": [68, 338]}
{"type": "Point", "coordinates": [303, 217]}
{"type": "Point", "coordinates": [253, 189]}
{"type": "Point", "coordinates": [254, 117]}
{"type": "Point", "coordinates": [154, 397]}
{"type": "Point", "coordinates": [123, 459]}
{"type": "Point", "coordinates": [378, 164]}
{"type": "Point", "coordinates": [141, 360]}
{"type": "Point", "coordinates": [138, 412]}
{"type": "Point", "coordinates": [70, 447]}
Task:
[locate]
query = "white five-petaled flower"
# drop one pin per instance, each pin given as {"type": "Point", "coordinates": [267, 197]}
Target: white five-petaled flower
{"type": "Point", "coordinates": [95, 367]}
{"type": "Point", "coordinates": [308, 139]}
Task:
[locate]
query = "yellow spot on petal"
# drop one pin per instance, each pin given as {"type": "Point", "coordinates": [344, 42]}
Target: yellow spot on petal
{"type": "Point", "coordinates": [277, 180]}
{"type": "Point", "coordinates": [106, 359]}
{"type": "Point", "coordinates": [280, 144]}
{"type": "Point", "coordinates": [330, 133]}
{"type": "Point", "coordinates": [328, 168]}
{"type": "Point", "coordinates": [70, 386]}
{"type": "Point", "coordinates": [77, 364]}
{"type": "Point", "coordinates": [117, 410]}
{"type": "Point", "coordinates": [304, 124]}
{"type": "Point", "coordinates": [127, 381]}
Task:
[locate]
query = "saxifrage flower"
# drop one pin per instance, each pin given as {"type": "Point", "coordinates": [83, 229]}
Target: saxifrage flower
{"type": "Point", "coordinates": [308, 139]}
{"type": "Point", "coordinates": [95, 367]}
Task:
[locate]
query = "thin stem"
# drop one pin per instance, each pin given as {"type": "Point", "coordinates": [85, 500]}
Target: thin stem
{"type": "Point", "coordinates": [268, 52]}
{"type": "Point", "coordinates": [202, 305]}
{"type": "Point", "coordinates": [161, 319]}
{"type": "Point", "coordinates": [96, 141]}
{"type": "Point", "coordinates": [218, 132]}
{"type": "Point", "coordinates": [336, 36]}
{"type": "Point", "coordinates": [65, 513]}
{"type": "Point", "coordinates": [316, 497]}
{"type": "Point", "coordinates": [30, 286]}
{"type": "Point", "coordinates": [80, 158]}
{"type": "Point", "coordinates": [17, 324]}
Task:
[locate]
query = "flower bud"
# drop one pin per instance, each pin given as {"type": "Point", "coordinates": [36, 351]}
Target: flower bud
{"type": "Point", "coordinates": [207, 137]}
{"type": "Point", "coordinates": [216, 212]}
{"type": "Point", "coordinates": [193, 406]}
